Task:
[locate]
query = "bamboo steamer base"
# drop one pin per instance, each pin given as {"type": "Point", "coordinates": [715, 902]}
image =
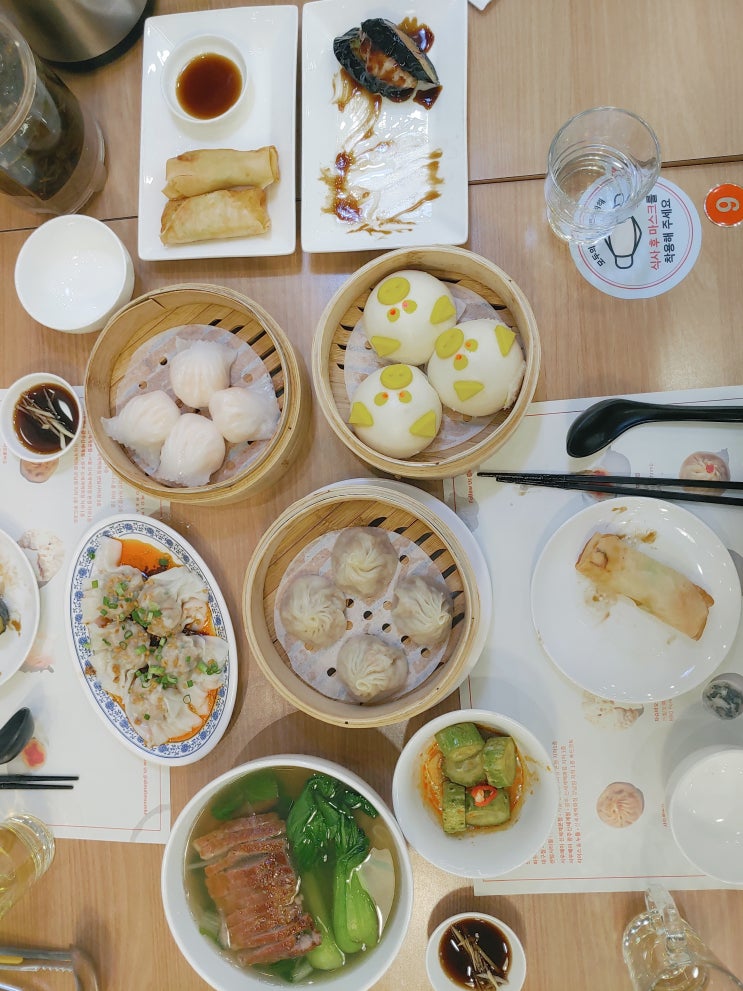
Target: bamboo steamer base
{"type": "Point", "coordinates": [454, 266]}
{"type": "Point", "coordinates": [154, 313]}
{"type": "Point", "coordinates": [349, 505]}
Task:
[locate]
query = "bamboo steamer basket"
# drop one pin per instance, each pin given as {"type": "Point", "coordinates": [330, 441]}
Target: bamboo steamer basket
{"type": "Point", "coordinates": [152, 314]}
{"type": "Point", "coordinates": [453, 266]}
{"type": "Point", "coordinates": [350, 504]}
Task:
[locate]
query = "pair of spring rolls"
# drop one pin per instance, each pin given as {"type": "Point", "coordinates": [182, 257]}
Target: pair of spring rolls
{"type": "Point", "coordinates": [617, 568]}
{"type": "Point", "coordinates": [217, 193]}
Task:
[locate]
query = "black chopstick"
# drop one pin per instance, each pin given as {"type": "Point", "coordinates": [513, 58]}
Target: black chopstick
{"type": "Point", "coordinates": [636, 485]}
{"type": "Point", "coordinates": [34, 785]}
{"type": "Point", "coordinates": [21, 778]}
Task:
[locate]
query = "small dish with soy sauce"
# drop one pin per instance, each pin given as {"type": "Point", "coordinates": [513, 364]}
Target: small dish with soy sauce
{"type": "Point", "coordinates": [41, 417]}
{"type": "Point", "coordinates": [473, 951]}
{"type": "Point", "coordinates": [204, 79]}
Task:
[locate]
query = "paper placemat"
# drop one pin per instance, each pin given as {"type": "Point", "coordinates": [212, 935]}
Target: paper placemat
{"type": "Point", "coordinates": [119, 796]}
{"type": "Point", "coordinates": [593, 745]}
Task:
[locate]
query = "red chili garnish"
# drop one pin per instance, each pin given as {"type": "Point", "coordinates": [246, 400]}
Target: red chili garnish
{"type": "Point", "coordinates": [483, 794]}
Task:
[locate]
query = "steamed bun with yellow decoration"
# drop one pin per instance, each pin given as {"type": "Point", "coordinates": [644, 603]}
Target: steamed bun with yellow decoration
{"type": "Point", "coordinates": [477, 367]}
{"type": "Point", "coordinates": [396, 411]}
{"type": "Point", "coordinates": [405, 313]}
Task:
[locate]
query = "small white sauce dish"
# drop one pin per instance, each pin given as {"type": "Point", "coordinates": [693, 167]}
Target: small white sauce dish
{"type": "Point", "coordinates": [705, 811]}
{"type": "Point", "coordinates": [73, 273]}
{"type": "Point", "coordinates": [437, 975]}
{"type": "Point", "coordinates": [182, 55]}
{"type": "Point", "coordinates": [7, 412]}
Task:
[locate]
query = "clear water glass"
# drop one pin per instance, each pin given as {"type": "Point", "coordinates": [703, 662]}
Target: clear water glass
{"type": "Point", "coordinates": [601, 165]}
{"type": "Point", "coordinates": [26, 852]}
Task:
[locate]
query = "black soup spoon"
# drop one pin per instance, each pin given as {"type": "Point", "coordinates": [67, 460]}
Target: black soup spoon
{"type": "Point", "coordinates": [601, 423]}
{"type": "Point", "coordinates": [15, 734]}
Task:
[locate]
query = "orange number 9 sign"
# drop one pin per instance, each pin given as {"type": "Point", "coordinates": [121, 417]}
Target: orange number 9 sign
{"type": "Point", "coordinates": [723, 204]}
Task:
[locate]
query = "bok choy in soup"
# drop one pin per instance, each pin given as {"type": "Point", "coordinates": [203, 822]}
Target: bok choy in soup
{"type": "Point", "coordinates": [291, 873]}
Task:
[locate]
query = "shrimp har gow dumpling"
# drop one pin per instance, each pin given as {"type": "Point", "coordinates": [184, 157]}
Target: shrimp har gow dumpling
{"type": "Point", "coordinates": [371, 669]}
{"type": "Point", "coordinates": [143, 424]}
{"type": "Point", "coordinates": [198, 369]}
{"type": "Point", "coordinates": [192, 452]}
{"type": "Point", "coordinates": [364, 561]}
{"type": "Point", "coordinates": [312, 609]}
{"type": "Point", "coordinates": [244, 414]}
{"type": "Point", "coordinates": [422, 610]}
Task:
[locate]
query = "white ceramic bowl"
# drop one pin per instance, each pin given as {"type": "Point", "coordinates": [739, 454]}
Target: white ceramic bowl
{"type": "Point", "coordinates": [203, 954]}
{"type": "Point", "coordinates": [476, 853]}
{"type": "Point", "coordinates": [7, 408]}
{"type": "Point", "coordinates": [182, 54]}
{"type": "Point", "coordinates": [73, 273]}
{"type": "Point", "coordinates": [440, 980]}
{"type": "Point", "coordinates": [705, 812]}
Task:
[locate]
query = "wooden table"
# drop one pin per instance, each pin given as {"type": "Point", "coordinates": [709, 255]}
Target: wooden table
{"type": "Point", "coordinates": [531, 66]}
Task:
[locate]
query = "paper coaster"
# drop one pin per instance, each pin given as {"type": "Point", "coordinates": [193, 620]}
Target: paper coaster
{"type": "Point", "coordinates": [648, 254]}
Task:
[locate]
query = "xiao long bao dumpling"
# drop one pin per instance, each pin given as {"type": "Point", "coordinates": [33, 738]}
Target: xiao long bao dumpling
{"type": "Point", "coordinates": [422, 610]}
{"type": "Point", "coordinates": [198, 369]}
{"type": "Point", "coordinates": [396, 411]}
{"type": "Point", "coordinates": [405, 313]}
{"type": "Point", "coordinates": [143, 424]}
{"type": "Point", "coordinates": [371, 669]}
{"type": "Point", "coordinates": [244, 414]}
{"type": "Point", "coordinates": [364, 562]}
{"type": "Point", "coordinates": [192, 452]}
{"type": "Point", "coordinates": [477, 367]}
{"type": "Point", "coordinates": [312, 609]}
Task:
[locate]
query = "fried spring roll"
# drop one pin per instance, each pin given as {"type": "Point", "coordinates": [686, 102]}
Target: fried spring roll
{"type": "Point", "coordinates": [207, 169]}
{"type": "Point", "coordinates": [223, 213]}
{"type": "Point", "coordinates": [615, 567]}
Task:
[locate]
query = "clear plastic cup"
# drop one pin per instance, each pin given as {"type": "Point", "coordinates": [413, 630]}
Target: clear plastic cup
{"type": "Point", "coordinates": [601, 165]}
{"type": "Point", "coordinates": [26, 852]}
{"type": "Point", "coordinates": [52, 153]}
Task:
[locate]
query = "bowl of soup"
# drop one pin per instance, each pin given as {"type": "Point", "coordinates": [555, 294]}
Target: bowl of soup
{"type": "Point", "coordinates": [288, 869]}
{"type": "Point", "coordinates": [475, 793]}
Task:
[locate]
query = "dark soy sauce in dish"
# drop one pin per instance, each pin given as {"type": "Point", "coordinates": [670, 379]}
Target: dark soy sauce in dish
{"type": "Point", "coordinates": [46, 418]}
{"type": "Point", "coordinates": [475, 953]}
{"type": "Point", "coordinates": [208, 86]}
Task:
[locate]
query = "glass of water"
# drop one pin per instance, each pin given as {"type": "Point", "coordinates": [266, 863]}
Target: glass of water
{"type": "Point", "coordinates": [26, 852]}
{"type": "Point", "coordinates": [601, 165]}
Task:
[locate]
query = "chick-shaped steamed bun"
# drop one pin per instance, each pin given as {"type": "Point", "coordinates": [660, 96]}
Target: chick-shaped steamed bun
{"type": "Point", "coordinates": [405, 313]}
{"type": "Point", "coordinates": [477, 367]}
{"type": "Point", "coordinates": [396, 411]}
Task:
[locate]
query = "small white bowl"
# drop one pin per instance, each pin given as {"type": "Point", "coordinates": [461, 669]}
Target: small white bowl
{"type": "Point", "coordinates": [476, 853]}
{"type": "Point", "coordinates": [184, 53]}
{"type": "Point", "coordinates": [204, 955]}
{"type": "Point", "coordinates": [73, 273]}
{"type": "Point", "coordinates": [440, 980]}
{"type": "Point", "coordinates": [705, 812]}
{"type": "Point", "coordinates": [7, 408]}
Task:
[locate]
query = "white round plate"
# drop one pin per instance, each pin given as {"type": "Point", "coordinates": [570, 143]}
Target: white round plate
{"type": "Point", "coordinates": [706, 812]}
{"type": "Point", "coordinates": [153, 532]}
{"type": "Point", "coordinates": [20, 590]}
{"type": "Point", "coordinates": [619, 651]}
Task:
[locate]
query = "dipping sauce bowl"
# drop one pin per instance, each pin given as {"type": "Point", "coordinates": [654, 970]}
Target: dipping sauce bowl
{"type": "Point", "coordinates": [30, 403]}
{"type": "Point", "coordinates": [204, 79]}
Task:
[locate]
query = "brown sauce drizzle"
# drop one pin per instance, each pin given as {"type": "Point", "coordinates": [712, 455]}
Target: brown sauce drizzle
{"type": "Point", "coordinates": [421, 34]}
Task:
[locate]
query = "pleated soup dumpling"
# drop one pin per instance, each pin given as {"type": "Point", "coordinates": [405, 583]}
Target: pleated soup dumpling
{"type": "Point", "coordinates": [422, 610]}
{"type": "Point", "coordinates": [396, 411]}
{"type": "Point", "coordinates": [364, 562]}
{"type": "Point", "coordinates": [371, 669]}
{"type": "Point", "coordinates": [193, 450]}
{"type": "Point", "coordinates": [405, 313]}
{"type": "Point", "coordinates": [244, 414]}
{"type": "Point", "coordinates": [477, 367]}
{"type": "Point", "coordinates": [198, 369]}
{"type": "Point", "coordinates": [143, 424]}
{"type": "Point", "coordinates": [313, 610]}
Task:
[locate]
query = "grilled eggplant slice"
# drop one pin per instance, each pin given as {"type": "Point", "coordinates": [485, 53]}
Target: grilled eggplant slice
{"type": "Point", "coordinates": [383, 59]}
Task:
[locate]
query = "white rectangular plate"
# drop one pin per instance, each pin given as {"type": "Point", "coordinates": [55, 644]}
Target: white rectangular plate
{"type": "Point", "coordinates": [405, 134]}
{"type": "Point", "coordinates": [267, 38]}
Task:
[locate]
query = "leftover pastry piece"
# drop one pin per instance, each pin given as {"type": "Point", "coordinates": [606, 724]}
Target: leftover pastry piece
{"type": "Point", "coordinates": [616, 568]}
{"type": "Point", "coordinates": [205, 170]}
{"type": "Point", "coordinates": [620, 804]}
{"type": "Point", "coordinates": [222, 213]}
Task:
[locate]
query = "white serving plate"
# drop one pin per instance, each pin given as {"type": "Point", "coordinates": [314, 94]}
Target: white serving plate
{"type": "Point", "coordinates": [19, 588]}
{"type": "Point", "coordinates": [267, 38]}
{"type": "Point", "coordinates": [626, 654]}
{"type": "Point", "coordinates": [151, 531]}
{"type": "Point", "coordinates": [324, 129]}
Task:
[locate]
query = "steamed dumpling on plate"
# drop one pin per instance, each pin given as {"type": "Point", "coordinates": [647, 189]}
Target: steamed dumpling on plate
{"type": "Point", "coordinates": [422, 610]}
{"type": "Point", "coordinates": [313, 609]}
{"type": "Point", "coordinates": [364, 561]}
{"type": "Point", "coordinates": [371, 669]}
{"type": "Point", "coordinates": [143, 424]}
{"type": "Point", "coordinates": [173, 600]}
{"type": "Point", "coordinates": [244, 414]}
{"type": "Point", "coordinates": [198, 369]}
{"type": "Point", "coordinates": [193, 450]}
